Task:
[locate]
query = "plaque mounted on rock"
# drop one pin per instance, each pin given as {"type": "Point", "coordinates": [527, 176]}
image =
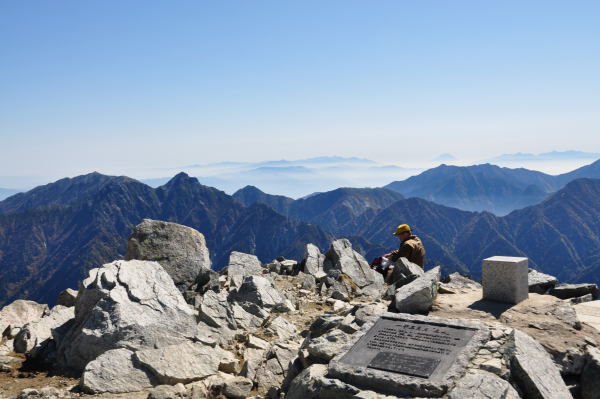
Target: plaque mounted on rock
{"type": "Point", "coordinates": [409, 354]}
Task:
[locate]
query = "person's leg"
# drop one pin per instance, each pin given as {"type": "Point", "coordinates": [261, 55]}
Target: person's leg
{"type": "Point", "coordinates": [388, 275]}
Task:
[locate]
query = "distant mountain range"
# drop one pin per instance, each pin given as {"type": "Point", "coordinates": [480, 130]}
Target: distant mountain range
{"type": "Point", "coordinates": [51, 235]}
{"type": "Point", "coordinates": [560, 235]}
{"type": "Point", "coordinates": [335, 211]}
{"type": "Point", "coordinates": [546, 156]}
{"type": "Point", "coordinates": [297, 178]}
{"type": "Point", "coordinates": [487, 187]}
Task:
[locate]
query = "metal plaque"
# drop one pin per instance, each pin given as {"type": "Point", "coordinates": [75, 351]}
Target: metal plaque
{"type": "Point", "coordinates": [416, 348]}
{"type": "Point", "coordinates": [405, 364]}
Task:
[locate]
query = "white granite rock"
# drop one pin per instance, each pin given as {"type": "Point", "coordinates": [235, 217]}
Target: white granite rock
{"type": "Point", "coordinates": [418, 296]}
{"type": "Point", "coordinates": [35, 335]}
{"type": "Point", "coordinates": [21, 312]}
{"type": "Point", "coordinates": [313, 260]}
{"type": "Point", "coordinates": [185, 362]}
{"type": "Point", "coordinates": [533, 369]}
{"type": "Point", "coordinates": [114, 372]}
{"type": "Point", "coordinates": [482, 385]}
{"type": "Point", "coordinates": [125, 304]}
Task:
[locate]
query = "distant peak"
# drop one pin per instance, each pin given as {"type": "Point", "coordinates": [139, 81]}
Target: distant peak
{"type": "Point", "coordinates": [181, 175]}
{"type": "Point", "coordinates": [182, 178]}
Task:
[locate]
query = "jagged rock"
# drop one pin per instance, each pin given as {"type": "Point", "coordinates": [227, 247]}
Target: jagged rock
{"type": "Point", "coordinates": [459, 283]}
{"type": "Point", "coordinates": [253, 359]}
{"type": "Point", "coordinates": [341, 257]}
{"type": "Point", "coordinates": [418, 296]}
{"type": "Point", "coordinates": [309, 283]}
{"type": "Point", "coordinates": [533, 369]}
{"type": "Point", "coordinates": [482, 385]}
{"type": "Point", "coordinates": [181, 250]}
{"type": "Point", "coordinates": [566, 291]}
{"type": "Point", "coordinates": [237, 388]}
{"type": "Point", "coordinates": [582, 299]}
{"type": "Point", "coordinates": [325, 347]}
{"type": "Point", "coordinates": [540, 282]}
{"type": "Point", "coordinates": [260, 291]}
{"type": "Point", "coordinates": [282, 328]}
{"type": "Point", "coordinates": [369, 311]}
{"type": "Point", "coordinates": [324, 323]}
{"type": "Point", "coordinates": [197, 390]}
{"type": "Point", "coordinates": [125, 304]}
{"type": "Point", "coordinates": [305, 385]}
{"type": "Point", "coordinates": [185, 362]}
{"type": "Point", "coordinates": [35, 335]}
{"type": "Point", "coordinates": [312, 383]}
{"type": "Point", "coordinates": [207, 279]}
{"type": "Point", "coordinates": [21, 312]}
{"type": "Point", "coordinates": [313, 261]}
{"type": "Point", "coordinates": [168, 392]}
{"type": "Point", "coordinates": [288, 267]}
{"type": "Point", "coordinates": [67, 298]}
{"type": "Point", "coordinates": [590, 377]}
{"type": "Point", "coordinates": [241, 264]}
{"type": "Point", "coordinates": [245, 319]}
{"type": "Point", "coordinates": [216, 311]}
{"type": "Point", "coordinates": [257, 343]}
{"type": "Point", "coordinates": [114, 371]}
{"type": "Point", "coordinates": [405, 272]}
{"type": "Point", "coordinates": [272, 373]}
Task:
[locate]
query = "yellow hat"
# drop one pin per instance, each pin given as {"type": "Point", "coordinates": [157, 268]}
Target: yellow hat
{"type": "Point", "coordinates": [401, 229]}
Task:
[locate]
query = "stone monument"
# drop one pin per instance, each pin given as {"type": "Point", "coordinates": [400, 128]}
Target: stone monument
{"type": "Point", "coordinates": [505, 279]}
{"type": "Point", "coordinates": [410, 355]}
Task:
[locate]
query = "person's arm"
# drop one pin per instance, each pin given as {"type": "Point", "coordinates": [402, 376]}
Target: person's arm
{"type": "Point", "coordinates": [404, 252]}
{"type": "Point", "coordinates": [395, 255]}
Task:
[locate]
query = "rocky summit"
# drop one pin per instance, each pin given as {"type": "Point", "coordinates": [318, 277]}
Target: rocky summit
{"type": "Point", "coordinates": [161, 323]}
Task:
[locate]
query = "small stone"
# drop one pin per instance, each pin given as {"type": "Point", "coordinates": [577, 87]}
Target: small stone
{"type": "Point", "coordinates": [493, 366]}
{"type": "Point", "coordinates": [237, 388]}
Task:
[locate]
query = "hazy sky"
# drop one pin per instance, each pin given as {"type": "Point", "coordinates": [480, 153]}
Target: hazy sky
{"type": "Point", "coordinates": [126, 86]}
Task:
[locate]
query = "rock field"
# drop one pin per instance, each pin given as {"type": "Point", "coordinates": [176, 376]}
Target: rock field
{"type": "Point", "coordinates": [162, 324]}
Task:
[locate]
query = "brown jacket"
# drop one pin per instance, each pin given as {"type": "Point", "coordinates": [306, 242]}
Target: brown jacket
{"type": "Point", "coordinates": [411, 249]}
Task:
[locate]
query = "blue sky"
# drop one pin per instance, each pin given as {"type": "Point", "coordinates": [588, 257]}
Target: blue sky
{"type": "Point", "coordinates": [130, 86]}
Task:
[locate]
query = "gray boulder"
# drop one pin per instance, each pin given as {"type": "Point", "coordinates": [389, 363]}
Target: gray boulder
{"type": "Point", "coordinates": [241, 264]}
{"type": "Point", "coordinates": [312, 382]}
{"type": "Point", "coordinates": [590, 377]}
{"type": "Point", "coordinates": [20, 312]}
{"type": "Point", "coordinates": [323, 348]}
{"type": "Point", "coordinates": [216, 311]}
{"type": "Point", "coordinates": [405, 271]}
{"type": "Point", "coordinates": [181, 363]}
{"type": "Point", "coordinates": [567, 291]}
{"type": "Point", "coordinates": [114, 371]}
{"type": "Point", "coordinates": [260, 291]}
{"type": "Point", "coordinates": [313, 261]}
{"type": "Point", "coordinates": [237, 388]}
{"type": "Point", "coordinates": [343, 259]}
{"type": "Point", "coordinates": [539, 282]}
{"type": "Point", "coordinates": [181, 250]}
{"type": "Point", "coordinates": [34, 336]}
{"type": "Point", "coordinates": [67, 298]}
{"type": "Point", "coordinates": [125, 304]}
{"type": "Point", "coordinates": [482, 385]}
{"type": "Point", "coordinates": [168, 392]}
{"type": "Point", "coordinates": [418, 296]}
{"type": "Point", "coordinates": [533, 369]}
{"type": "Point", "coordinates": [456, 283]}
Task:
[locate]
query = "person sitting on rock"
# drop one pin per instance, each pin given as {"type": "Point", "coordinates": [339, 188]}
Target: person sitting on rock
{"type": "Point", "coordinates": [411, 248]}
